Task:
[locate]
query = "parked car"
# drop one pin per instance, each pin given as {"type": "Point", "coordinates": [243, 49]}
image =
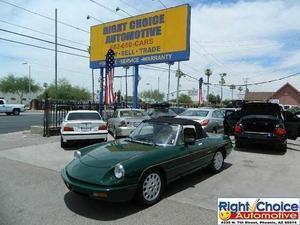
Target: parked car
{"type": "Point", "coordinates": [161, 110]}
{"type": "Point", "coordinates": [157, 152]}
{"type": "Point", "coordinates": [210, 119]}
{"type": "Point", "coordinates": [264, 123]}
{"type": "Point", "coordinates": [83, 125]}
{"type": "Point", "coordinates": [10, 109]}
{"type": "Point", "coordinates": [123, 121]}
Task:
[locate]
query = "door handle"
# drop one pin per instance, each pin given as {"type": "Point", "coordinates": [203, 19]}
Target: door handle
{"type": "Point", "coordinates": [200, 144]}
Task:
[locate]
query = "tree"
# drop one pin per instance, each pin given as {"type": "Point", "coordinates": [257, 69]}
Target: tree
{"type": "Point", "coordinates": [232, 87]}
{"type": "Point", "coordinates": [65, 91]}
{"type": "Point", "coordinates": [152, 96]}
{"type": "Point", "coordinates": [18, 85]}
{"type": "Point", "coordinates": [185, 99]}
{"type": "Point", "coordinates": [214, 99]}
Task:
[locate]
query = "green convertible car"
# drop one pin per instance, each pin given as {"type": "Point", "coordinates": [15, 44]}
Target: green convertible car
{"type": "Point", "coordinates": [156, 152]}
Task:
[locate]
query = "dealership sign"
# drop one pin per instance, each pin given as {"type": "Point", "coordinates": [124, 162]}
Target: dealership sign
{"type": "Point", "coordinates": [258, 211]}
{"type": "Point", "coordinates": [155, 37]}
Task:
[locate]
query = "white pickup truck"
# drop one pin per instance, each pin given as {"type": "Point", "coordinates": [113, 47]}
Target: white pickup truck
{"type": "Point", "coordinates": [9, 109]}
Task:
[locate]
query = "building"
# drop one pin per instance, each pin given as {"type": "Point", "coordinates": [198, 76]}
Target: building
{"type": "Point", "coordinates": [286, 95]}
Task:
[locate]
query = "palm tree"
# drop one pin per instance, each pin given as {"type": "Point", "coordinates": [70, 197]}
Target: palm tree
{"type": "Point", "coordinates": [222, 82]}
{"type": "Point", "coordinates": [208, 73]}
{"type": "Point", "coordinates": [232, 87]}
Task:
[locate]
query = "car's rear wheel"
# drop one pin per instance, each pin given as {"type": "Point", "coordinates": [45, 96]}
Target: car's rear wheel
{"type": "Point", "coordinates": [62, 143]}
{"type": "Point", "coordinates": [151, 187]}
{"type": "Point", "coordinates": [16, 112]}
{"type": "Point", "coordinates": [217, 162]}
{"type": "Point", "coordinates": [238, 144]}
{"type": "Point", "coordinates": [282, 147]}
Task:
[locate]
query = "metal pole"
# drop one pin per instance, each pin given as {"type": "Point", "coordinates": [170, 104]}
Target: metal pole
{"type": "Point", "coordinates": [126, 94]}
{"type": "Point", "coordinates": [29, 85]}
{"type": "Point", "coordinates": [158, 84]}
{"type": "Point", "coordinates": [101, 107]}
{"type": "Point", "coordinates": [178, 80]}
{"type": "Point", "coordinates": [135, 86]}
{"type": "Point", "coordinates": [55, 53]}
{"type": "Point", "coordinates": [169, 77]}
{"type": "Point", "coordinates": [207, 87]}
{"type": "Point", "coordinates": [93, 85]}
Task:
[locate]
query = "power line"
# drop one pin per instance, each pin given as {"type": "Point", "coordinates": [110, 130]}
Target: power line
{"type": "Point", "coordinates": [43, 40]}
{"type": "Point", "coordinates": [46, 17]}
{"type": "Point", "coordinates": [105, 7]}
{"type": "Point", "coordinates": [41, 47]}
{"type": "Point", "coordinates": [40, 32]}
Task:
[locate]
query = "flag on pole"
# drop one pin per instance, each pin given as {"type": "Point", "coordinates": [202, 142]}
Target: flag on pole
{"type": "Point", "coordinates": [200, 91]}
{"type": "Point", "coordinates": [109, 72]}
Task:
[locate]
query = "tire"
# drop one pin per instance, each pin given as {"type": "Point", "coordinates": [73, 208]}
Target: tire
{"type": "Point", "coordinates": [150, 188]}
{"type": "Point", "coordinates": [16, 112]}
{"type": "Point", "coordinates": [63, 144]}
{"type": "Point", "coordinates": [238, 144]}
{"type": "Point", "coordinates": [8, 113]}
{"type": "Point", "coordinates": [217, 162]}
{"type": "Point", "coordinates": [282, 147]}
{"type": "Point", "coordinates": [215, 130]}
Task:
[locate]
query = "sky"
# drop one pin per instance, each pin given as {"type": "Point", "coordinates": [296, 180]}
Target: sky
{"type": "Point", "coordinates": [253, 40]}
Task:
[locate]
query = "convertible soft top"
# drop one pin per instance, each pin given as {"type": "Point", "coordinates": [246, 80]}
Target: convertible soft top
{"type": "Point", "coordinates": [200, 133]}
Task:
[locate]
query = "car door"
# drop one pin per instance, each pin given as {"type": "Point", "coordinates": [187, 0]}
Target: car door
{"type": "Point", "coordinates": [292, 124]}
{"type": "Point", "coordinates": [2, 106]}
{"type": "Point", "coordinates": [230, 121]}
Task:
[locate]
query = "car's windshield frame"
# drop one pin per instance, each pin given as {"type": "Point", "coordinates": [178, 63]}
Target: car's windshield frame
{"type": "Point", "coordinates": [158, 144]}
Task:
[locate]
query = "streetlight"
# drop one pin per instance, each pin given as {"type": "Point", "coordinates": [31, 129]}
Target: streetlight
{"type": "Point", "coordinates": [208, 73]}
{"type": "Point", "coordinates": [91, 17]}
{"type": "Point", "coordinates": [29, 79]}
{"type": "Point", "coordinates": [119, 9]}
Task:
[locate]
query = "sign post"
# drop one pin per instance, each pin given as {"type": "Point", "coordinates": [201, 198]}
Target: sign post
{"type": "Point", "coordinates": [135, 87]}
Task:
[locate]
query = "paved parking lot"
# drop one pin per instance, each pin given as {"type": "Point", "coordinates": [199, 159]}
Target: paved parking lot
{"type": "Point", "coordinates": [32, 192]}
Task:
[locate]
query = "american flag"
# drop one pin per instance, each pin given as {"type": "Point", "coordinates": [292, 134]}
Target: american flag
{"type": "Point", "coordinates": [200, 91]}
{"type": "Point", "coordinates": [109, 91]}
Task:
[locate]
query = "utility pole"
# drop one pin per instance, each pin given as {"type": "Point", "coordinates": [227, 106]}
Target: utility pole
{"type": "Point", "coordinates": [222, 82]}
{"type": "Point", "coordinates": [208, 73]}
{"type": "Point", "coordinates": [158, 84]}
{"type": "Point", "coordinates": [179, 74]}
{"type": "Point", "coordinates": [169, 78]}
{"type": "Point", "coordinates": [56, 54]}
{"type": "Point", "coordinates": [126, 90]}
{"type": "Point", "coordinates": [246, 85]}
{"type": "Point", "coordinates": [93, 85]}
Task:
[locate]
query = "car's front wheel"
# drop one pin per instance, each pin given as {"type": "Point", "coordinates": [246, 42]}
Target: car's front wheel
{"type": "Point", "coordinates": [217, 162]}
{"type": "Point", "coordinates": [62, 143]}
{"type": "Point", "coordinates": [151, 187]}
{"type": "Point", "coordinates": [16, 112]}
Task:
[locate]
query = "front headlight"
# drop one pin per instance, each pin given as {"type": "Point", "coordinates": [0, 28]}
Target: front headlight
{"type": "Point", "coordinates": [77, 154]}
{"type": "Point", "coordinates": [119, 171]}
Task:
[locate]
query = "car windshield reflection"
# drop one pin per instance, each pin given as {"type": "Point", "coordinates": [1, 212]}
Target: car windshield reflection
{"type": "Point", "coordinates": [155, 134]}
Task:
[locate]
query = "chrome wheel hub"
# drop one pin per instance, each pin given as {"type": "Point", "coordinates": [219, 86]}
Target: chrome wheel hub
{"type": "Point", "coordinates": [151, 187]}
{"type": "Point", "coordinates": [218, 160]}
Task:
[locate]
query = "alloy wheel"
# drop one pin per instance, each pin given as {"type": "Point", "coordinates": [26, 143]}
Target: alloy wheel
{"type": "Point", "coordinates": [151, 187]}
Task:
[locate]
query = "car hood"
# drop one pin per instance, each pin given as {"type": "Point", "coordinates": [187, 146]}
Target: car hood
{"type": "Point", "coordinates": [97, 165]}
{"type": "Point", "coordinates": [112, 153]}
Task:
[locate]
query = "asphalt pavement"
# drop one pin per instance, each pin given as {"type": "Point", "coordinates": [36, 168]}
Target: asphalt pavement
{"type": "Point", "coordinates": [19, 123]}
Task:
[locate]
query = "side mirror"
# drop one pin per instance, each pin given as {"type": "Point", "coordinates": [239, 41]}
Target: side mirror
{"type": "Point", "coordinates": [189, 141]}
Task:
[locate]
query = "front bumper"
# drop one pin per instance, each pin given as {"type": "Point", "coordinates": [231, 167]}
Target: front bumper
{"type": "Point", "coordinates": [110, 194]}
{"type": "Point", "coordinates": [83, 137]}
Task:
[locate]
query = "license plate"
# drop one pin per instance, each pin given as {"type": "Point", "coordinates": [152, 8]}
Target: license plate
{"type": "Point", "coordinates": [85, 129]}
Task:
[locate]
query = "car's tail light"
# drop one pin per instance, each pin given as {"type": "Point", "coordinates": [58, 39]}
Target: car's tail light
{"type": "Point", "coordinates": [102, 127]}
{"type": "Point", "coordinates": [279, 131]}
{"type": "Point", "coordinates": [238, 128]}
{"type": "Point", "coordinates": [204, 122]}
{"type": "Point", "coordinates": [123, 123]}
{"type": "Point", "coordinates": [68, 129]}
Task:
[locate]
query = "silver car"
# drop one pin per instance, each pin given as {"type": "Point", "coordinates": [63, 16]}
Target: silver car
{"type": "Point", "coordinates": [211, 119]}
{"type": "Point", "coordinates": [124, 121]}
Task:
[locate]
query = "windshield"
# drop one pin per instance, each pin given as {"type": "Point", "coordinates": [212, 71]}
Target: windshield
{"type": "Point", "coordinates": [84, 116]}
{"type": "Point", "coordinates": [155, 133]}
{"type": "Point", "coordinates": [199, 113]}
{"type": "Point", "coordinates": [132, 113]}
{"type": "Point", "coordinates": [161, 112]}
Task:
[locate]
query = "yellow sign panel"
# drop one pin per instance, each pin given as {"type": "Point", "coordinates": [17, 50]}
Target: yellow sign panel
{"type": "Point", "coordinates": [160, 36]}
